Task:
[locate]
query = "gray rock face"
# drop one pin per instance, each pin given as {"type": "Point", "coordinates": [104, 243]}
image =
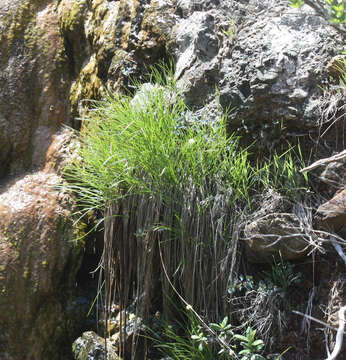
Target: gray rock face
{"type": "Point", "coordinates": [197, 64]}
{"type": "Point", "coordinates": [267, 62]}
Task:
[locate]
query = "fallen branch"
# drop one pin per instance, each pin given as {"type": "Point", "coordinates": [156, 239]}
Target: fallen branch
{"type": "Point", "coordinates": [317, 320]}
{"type": "Point", "coordinates": [337, 157]}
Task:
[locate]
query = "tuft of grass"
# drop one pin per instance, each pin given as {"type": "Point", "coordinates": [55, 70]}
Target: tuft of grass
{"type": "Point", "coordinates": [281, 172]}
{"type": "Point", "coordinates": [132, 149]}
{"type": "Point", "coordinates": [128, 149]}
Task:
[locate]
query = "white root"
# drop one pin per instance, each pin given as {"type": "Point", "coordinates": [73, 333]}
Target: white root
{"type": "Point", "coordinates": [339, 334]}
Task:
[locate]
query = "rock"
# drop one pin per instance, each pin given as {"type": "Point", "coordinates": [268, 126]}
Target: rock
{"type": "Point", "coordinates": [196, 48]}
{"type": "Point", "coordinates": [273, 234]}
{"type": "Point", "coordinates": [110, 41]}
{"type": "Point", "coordinates": [39, 262]}
{"type": "Point", "coordinates": [268, 65]}
{"type": "Point", "coordinates": [34, 83]}
{"type": "Point", "coordinates": [334, 173]}
{"type": "Point", "coordinates": [289, 49]}
{"type": "Point", "coordinates": [273, 227]}
{"type": "Point", "coordinates": [332, 214]}
{"type": "Point", "coordinates": [90, 346]}
{"type": "Point", "coordinates": [134, 330]}
{"type": "Point", "coordinates": [333, 170]}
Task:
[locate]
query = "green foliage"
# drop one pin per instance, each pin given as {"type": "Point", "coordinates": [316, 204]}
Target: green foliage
{"type": "Point", "coordinates": [336, 9]}
{"type": "Point", "coordinates": [184, 341]}
{"type": "Point", "coordinates": [131, 149]}
{"type": "Point", "coordinates": [231, 31]}
{"type": "Point", "coordinates": [278, 280]}
{"type": "Point", "coordinates": [197, 343]}
{"type": "Point", "coordinates": [251, 346]}
{"type": "Point", "coordinates": [282, 275]}
{"type": "Point", "coordinates": [154, 146]}
{"type": "Point", "coordinates": [224, 332]}
{"type": "Point", "coordinates": [282, 172]}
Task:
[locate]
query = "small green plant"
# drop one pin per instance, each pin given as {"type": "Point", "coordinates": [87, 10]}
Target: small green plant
{"type": "Point", "coordinates": [224, 332]}
{"type": "Point", "coordinates": [199, 344]}
{"type": "Point", "coordinates": [282, 275]}
{"type": "Point", "coordinates": [200, 339]}
{"type": "Point", "coordinates": [251, 346]}
{"type": "Point", "coordinates": [184, 341]}
{"type": "Point", "coordinates": [231, 31]}
{"type": "Point", "coordinates": [281, 172]}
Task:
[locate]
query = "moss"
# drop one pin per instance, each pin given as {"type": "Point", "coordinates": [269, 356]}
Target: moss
{"type": "Point", "coordinates": [87, 86]}
{"type": "Point", "coordinates": [26, 272]}
{"type": "Point", "coordinates": [72, 17]}
{"type": "Point", "coordinates": [15, 27]}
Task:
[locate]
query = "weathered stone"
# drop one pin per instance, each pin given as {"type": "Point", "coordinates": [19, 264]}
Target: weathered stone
{"type": "Point", "coordinates": [332, 214]}
{"type": "Point", "coordinates": [273, 234]}
{"type": "Point", "coordinates": [333, 170]}
{"type": "Point", "coordinates": [109, 41]}
{"type": "Point", "coordinates": [334, 173]}
{"type": "Point", "coordinates": [267, 63]}
{"type": "Point", "coordinates": [196, 48]}
{"type": "Point", "coordinates": [274, 227]}
{"type": "Point", "coordinates": [38, 266]}
{"type": "Point", "coordinates": [289, 49]}
{"type": "Point", "coordinates": [90, 346]}
{"type": "Point", "coordinates": [34, 82]}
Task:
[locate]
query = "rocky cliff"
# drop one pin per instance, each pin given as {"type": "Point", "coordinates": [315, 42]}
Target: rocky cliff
{"type": "Point", "coordinates": [270, 66]}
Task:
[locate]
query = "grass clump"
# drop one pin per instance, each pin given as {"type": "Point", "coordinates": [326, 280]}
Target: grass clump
{"type": "Point", "coordinates": [128, 148]}
{"type": "Point", "coordinates": [173, 188]}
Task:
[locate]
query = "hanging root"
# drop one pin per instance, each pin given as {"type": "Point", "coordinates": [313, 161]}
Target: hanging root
{"type": "Point", "coordinates": [339, 335]}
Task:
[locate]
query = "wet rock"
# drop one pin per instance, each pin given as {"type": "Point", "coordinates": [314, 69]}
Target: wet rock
{"type": "Point", "coordinates": [332, 214]}
{"type": "Point", "coordinates": [90, 346]}
{"type": "Point", "coordinates": [34, 87]}
{"type": "Point", "coordinates": [38, 265]}
{"type": "Point", "coordinates": [110, 41]}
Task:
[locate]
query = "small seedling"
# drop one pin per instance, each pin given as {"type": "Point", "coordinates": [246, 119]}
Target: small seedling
{"type": "Point", "coordinates": [251, 346]}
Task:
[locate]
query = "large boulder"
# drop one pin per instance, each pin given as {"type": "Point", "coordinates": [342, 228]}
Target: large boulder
{"type": "Point", "coordinates": [266, 62]}
{"type": "Point", "coordinates": [38, 261]}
